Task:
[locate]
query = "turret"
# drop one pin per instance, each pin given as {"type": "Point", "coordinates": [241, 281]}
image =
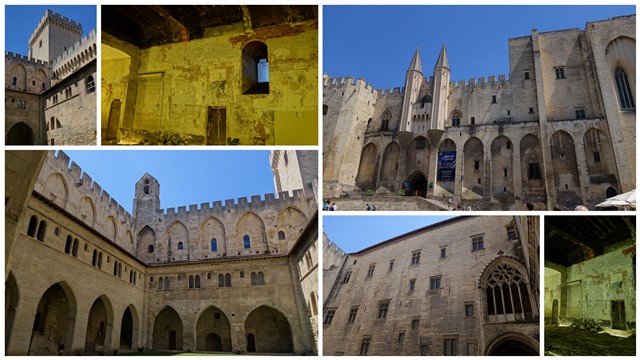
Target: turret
{"type": "Point", "coordinates": [441, 78]}
{"type": "Point", "coordinates": [146, 200]}
{"type": "Point", "coordinates": [411, 91]}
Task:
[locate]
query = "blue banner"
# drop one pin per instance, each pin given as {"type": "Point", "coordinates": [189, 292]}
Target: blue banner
{"type": "Point", "coordinates": [447, 166]}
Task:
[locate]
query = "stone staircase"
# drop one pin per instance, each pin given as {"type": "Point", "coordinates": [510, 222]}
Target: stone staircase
{"type": "Point", "coordinates": [48, 342]}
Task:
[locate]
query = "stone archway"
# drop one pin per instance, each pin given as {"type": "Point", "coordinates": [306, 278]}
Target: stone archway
{"type": "Point", "coordinates": [565, 170]}
{"type": "Point", "coordinates": [54, 322]}
{"type": "Point", "coordinates": [99, 327]}
{"type": "Point", "coordinates": [213, 331]}
{"type": "Point", "coordinates": [389, 166]}
{"type": "Point", "coordinates": [20, 134]}
{"type": "Point", "coordinates": [270, 331]}
{"type": "Point", "coordinates": [417, 184]}
{"type": "Point", "coordinates": [167, 330]}
{"type": "Point", "coordinates": [11, 299]}
{"type": "Point", "coordinates": [611, 192]}
{"type": "Point", "coordinates": [513, 344]}
{"type": "Point", "coordinates": [129, 329]}
{"type": "Point", "coordinates": [502, 188]}
{"type": "Point", "coordinates": [473, 171]}
{"type": "Point", "coordinates": [366, 178]}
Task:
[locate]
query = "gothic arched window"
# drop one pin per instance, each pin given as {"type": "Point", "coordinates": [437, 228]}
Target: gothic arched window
{"type": "Point", "coordinates": [507, 295]}
{"type": "Point", "coordinates": [624, 90]}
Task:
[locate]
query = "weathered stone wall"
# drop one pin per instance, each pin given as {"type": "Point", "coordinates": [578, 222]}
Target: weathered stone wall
{"type": "Point", "coordinates": [68, 230]}
{"type": "Point", "coordinates": [71, 117]}
{"type": "Point", "coordinates": [592, 285]}
{"type": "Point", "coordinates": [427, 314]}
{"type": "Point", "coordinates": [36, 265]}
{"type": "Point", "coordinates": [73, 190]}
{"type": "Point", "coordinates": [176, 84]}
{"type": "Point", "coordinates": [552, 141]}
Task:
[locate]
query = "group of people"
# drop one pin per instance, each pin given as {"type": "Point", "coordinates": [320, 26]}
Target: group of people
{"type": "Point", "coordinates": [371, 207]}
{"type": "Point", "coordinates": [327, 206]}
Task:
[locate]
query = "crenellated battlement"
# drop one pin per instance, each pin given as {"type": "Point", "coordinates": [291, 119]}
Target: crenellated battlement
{"type": "Point", "coordinates": [345, 82]}
{"type": "Point", "coordinates": [256, 203]}
{"type": "Point", "coordinates": [479, 82]}
{"type": "Point", "coordinates": [54, 18]}
{"type": "Point", "coordinates": [24, 59]}
{"type": "Point", "coordinates": [78, 49]}
{"type": "Point", "coordinates": [332, 248]}
{"type": "Point", "coordinates": [75, 176]}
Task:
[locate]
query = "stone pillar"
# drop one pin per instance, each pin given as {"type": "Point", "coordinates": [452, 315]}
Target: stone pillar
{"type": "Point", "coordinates": [545, 148]}
{"type": "Point", "coordinates": [581, 160]}
{"type": "Point", "coordinates": [238, 338]}
{"type": "Point", "coordinates": [517, 173]}
{"type": "Point", "coordinates": [457, 192]}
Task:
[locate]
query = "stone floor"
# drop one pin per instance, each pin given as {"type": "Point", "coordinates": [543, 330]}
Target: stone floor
{"type": "Point", "coordinates": [567, 341]}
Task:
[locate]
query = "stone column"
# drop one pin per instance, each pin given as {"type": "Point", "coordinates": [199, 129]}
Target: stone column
{"type": "Point", "coordinates": [517, 172]}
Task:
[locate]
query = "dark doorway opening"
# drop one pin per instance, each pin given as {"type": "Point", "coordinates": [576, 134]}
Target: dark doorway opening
{"type": "Point", "coordinates": [216, 125]}
{"type": "Point", "coordinates": [611, 192]}
{"type": "Point", "coordinates": [514, 348]}
{"type": "Point", "coordinates": [20, 134]}
{"type": "Point", "coordinates": [172, 340]}
{"type": "Point", "coordinates": [417, 185]}
{"type": "Point", "coordinates": [619, 319]}
{"type": "Point", "coordinates": [251, 343]}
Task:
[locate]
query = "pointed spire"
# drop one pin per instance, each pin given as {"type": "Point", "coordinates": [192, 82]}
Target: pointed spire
{"type": "Point", "coordinates": [443, 59]}
{"type": "Point", "coordinates": [416, 63]}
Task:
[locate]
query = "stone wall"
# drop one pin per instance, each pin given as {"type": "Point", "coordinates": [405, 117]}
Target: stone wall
{"type": "Point", "coordinates": [176, 85]}
{"type": "Point", "coordinates": [71, 117]}
{"type": "Point", "coordinates": [402, 273]}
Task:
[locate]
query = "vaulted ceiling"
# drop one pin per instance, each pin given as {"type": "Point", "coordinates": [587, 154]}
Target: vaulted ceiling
{"type": "Point", "coordinates": [572, 239]}
{"type": "Point", "coordinates": [151, 25]}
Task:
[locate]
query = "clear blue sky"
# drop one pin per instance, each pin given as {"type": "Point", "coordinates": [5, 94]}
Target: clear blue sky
{"type": "Point", "coordinates": [23, 19]}
{"type": "Point", "coordinates": [377, 43]}
{"type": "Point", "coordinates": [354, 233]}
{"type": "Point", "coordinates": [186, 176]}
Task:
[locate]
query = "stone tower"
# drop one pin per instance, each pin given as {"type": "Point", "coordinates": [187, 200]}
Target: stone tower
{"type": "Point", "coordinates": [146, 200]}
{"type": "Point", "coordinates": [411, 89]}
{"type": "Point", "coordinates": [441, 78]}
{"type": "Point", "coordinates": [52, 36]}
{"type": "Point", "coordinates": [295, 169]}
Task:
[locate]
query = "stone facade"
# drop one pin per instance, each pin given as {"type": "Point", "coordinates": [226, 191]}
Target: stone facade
{"type": "Point", "coordinates": [50, 95]}
{"type": "Point", "coordinates": [558, 133]}
{"type": "Point", "coordinates": [234, 277]}
{"type": "Point", "coordinates": [193, 93]}
{"type": "Point", "coordinates": [465, 286]}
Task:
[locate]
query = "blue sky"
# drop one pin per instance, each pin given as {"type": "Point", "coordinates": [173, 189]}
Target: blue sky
{"type": "Point", "coordinates": [186, 176]}
{"type": "Point", "coordinates": [23, 19]}
{"type": "Point", "coordinates": [354, 233]}
{"type": "Point", "coordinates": [377, 43]}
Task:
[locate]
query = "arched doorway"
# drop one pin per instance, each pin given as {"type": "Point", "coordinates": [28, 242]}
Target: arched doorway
{"type": "Point", "coordinates": [213, 331]}
{"type": "Point", "coordinates": [99, 326]}
{"type": "Point", "coordinates": [11, 297]}
{"type": "Point", "coordinates": [513, 344]}
{"type": "Point", "coordinates": [167, 330]}
{"type": "Point", "coordinates": [611, 192]}
{"type": "Point", "coordinates": [251, 343]}
{"type": "Point", "coordinates": [20, 134]}
{"type": "Point", "coordinates": [473, 171]}
{"type": "Point", "coordinates": [128, 328]}
{"type": "Point", "coordinates": [417, 185]}
{"type": "Point", "coordinates": [368, 168]}
{"type": "Point", "coordinates": [54, 322]}
{"type": "Point", "coordinates": [268, 331]}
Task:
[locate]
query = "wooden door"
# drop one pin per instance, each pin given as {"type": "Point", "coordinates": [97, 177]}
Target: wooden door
{"type": "Point", "coordinates": [216, 125]}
